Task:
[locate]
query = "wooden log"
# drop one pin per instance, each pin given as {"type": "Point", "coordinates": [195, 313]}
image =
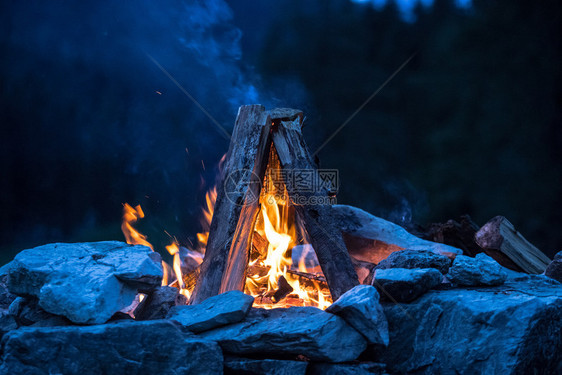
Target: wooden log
{"type": "Point", "coordinates": [237, 205]}
{"type": "Point", "coordinates": [500, 235]}
{"type": "Point", "coordinates": [283, 290]}
{"type": "Point", "coordinates": [313, 207]}
{"type": "Point", "coordinates": [459, 234]}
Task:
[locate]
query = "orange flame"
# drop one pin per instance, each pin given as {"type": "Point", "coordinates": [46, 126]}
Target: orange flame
{"type": "Point", "coordinates": [131, 216]}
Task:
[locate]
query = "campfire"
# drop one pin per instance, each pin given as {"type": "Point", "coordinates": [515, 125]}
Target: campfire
{"type": "Point", "coordinates": [271, 232]}
{"type": "Point", "coordinates": [282, 279]}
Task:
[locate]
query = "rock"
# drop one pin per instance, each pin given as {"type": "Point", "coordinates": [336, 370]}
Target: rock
{"type": "Point", "coordinates": [346, 369]}
{"type": "Point", "coordinates": [361, 309]}
{"type": "Point", "coordinates": [154, 347]}
{"type": "Point", "coordinates": [372, 239]}
{"type": "Point", "coordinates": [293, 331]}
{"type": "Point", "coordinates": [226, 308]}
{"type": "Point", "coordinates": [27, 312]}
{"type": "Point", "coordinates": [237, 365]}
{"type": "Point", "coordinates": [405, 285]}
{"type": "Point", "coordinates": [85, 282]}
{"type": "Point", "coordinates": [7, 322]}
{"type": "Point", "coordinates": [554, 269]}
{"type": "Point", "coordinates": [515, 328]}
{"type": "Point", "coordinates": [416, 259]}
{"type": "Point", "coordinates": [6, 298]}
{"type": "Point", "coordinates": [481, 270]}
{"type": "Point", "coordinates": [157, 304]}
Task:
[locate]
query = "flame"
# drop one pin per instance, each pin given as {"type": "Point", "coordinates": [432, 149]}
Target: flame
{"type": "Point", "coordinates": [208, 210]}
{"type": "Point", "coordinates": [131, 216]}
{"type": "Point", "coordinates": [174, 250]}
{"type": "Point", "coordinates": [276, 223]}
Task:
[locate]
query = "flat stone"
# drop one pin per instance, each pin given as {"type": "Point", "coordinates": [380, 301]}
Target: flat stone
{"type": "Point", "coordinates": [247, 366]}
{"type": "Point", "coordinates": [226, 308]}
{"type": "Point", "coordinates": [481, 270]}
{"type": "Point", "coordinates": [293, 331]}
{"type": "Point", "coordinates": [85, 282]}
{"type": "Point", "coordinates": [515, 328]}
{"type": "Point", "coordinates": [405, 285]}
{"type": "Point", "coordinates": [346, 369]}
{"type": "Point", "coordinates": [554, 269]}
{"type": "Point", "coordinates": [361, 309]}
{"type": "Point", "coordinates": [154, 347]}
{"type": "Point", "coordinates": [372, 239]}
{"type": "Point", "coordinates": [416, 259]}
{"type": "Point", "coordinates": [157, 304]}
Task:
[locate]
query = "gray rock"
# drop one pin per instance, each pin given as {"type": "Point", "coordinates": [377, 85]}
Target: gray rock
{"type": "Point", "coordinates": [554, 269]}
{"type": "Point", "coordinates": [416, 259]}
{"type": "Point", "coordinates": [155, 347]}
{"type": "Point", "coordinates": [247, 366]}
{"type": "Point", "coordinates": [405, 285]}
{"type": "Point", "coordinates": [371, 239]}
{"type": "Point", "coordinates": [157, 304]}
{"type": "Point", "coordinates": [307, 331]}
{"type": "Point", "coordinates": [346, 369]}
{"type": "Point", "coordinates": [515, 328]}
{"type": "Point", "coordinates": [7, 322]}
{"type": "Point", "coordinates": [481, 270]}
{"type": "Point", "coordinates": [6, 298]}
{"type": "Point", "coordinates": [85, 282]}
{"type": "Point", "coordinates": [226, 308]}
{"type": "Point", "coordinates": [27, 312]}
{"type": "Point", "coordinates": [361, 309]}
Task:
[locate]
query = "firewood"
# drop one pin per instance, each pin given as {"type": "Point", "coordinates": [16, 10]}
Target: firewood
{"type": "Point", "coordinates": [500, 235]}
{"type": "Point", "coordinates": [318, 220]}
{"type": "Point", "coordinates": [283, 289]}
{"type": "Point", "coordinates": [259, 245]}
{"type": "Point", "coordinates": [237, 205]}
{"type": "Point", "coordinates": [459, 234]}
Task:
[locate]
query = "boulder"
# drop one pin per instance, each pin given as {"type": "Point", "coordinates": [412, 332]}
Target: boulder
{"type": "Point", "coordinates": [85, 282]}
{"type": "Point", "coordinates": [371, 368]}
{"type": "Point", "coordinates": [554, 269]}
{"type": "Point", "coordinates": [291, 331]}
{"type": "Point", "coordinates": [153, 347]}
{"type": "Point", "coordinates": [372, 239]}
{"type": "Point", "coordinates": [157, 304]}
{"type": "Point", "coordinates": [416, 259]}
{"type": "Point", "coordinates": [405, 285]}
{"type": "Point", "coordinates": [361, 309]}
{"type": "Point", "coordinates": [27, 312]}
{"type": "Point", "coordinates": [481, 270]}
{"type": "Point", "coordinates": [226, 308]}
{"type": "Point", "coordinates": [515, 328]}
{"type": "Point", "coordinates": [248, 366]}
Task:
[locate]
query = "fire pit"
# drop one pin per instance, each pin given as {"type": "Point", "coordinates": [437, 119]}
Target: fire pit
{"type": "Point", "coordinates": [283, 280]}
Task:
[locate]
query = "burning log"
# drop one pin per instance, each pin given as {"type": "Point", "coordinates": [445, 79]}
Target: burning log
{"type": "Point", "coordinates": [317, 218]}
{"type": "Point", "coordinates": [500, 238]}
{"type": "Point", "coordinates": [236, 208]}
{"type": "Point", "coordinates": [284, 290]}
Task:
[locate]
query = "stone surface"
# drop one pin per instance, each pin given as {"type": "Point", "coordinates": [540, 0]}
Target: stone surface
{"type": "Point", "coordinates": [294, 331]}
{"type": "Point", "coordinates": [361, 309]}
{"type": "Point", "coordinates": [481, 270]}
{"type": "Point", "coordinates": [157, 304]}
{"type": "Point", "coordinates": [226, 308]}
{"type": "Point", "coordinates": [416, 259]}
{"type": "Point", "coordinates": [155, 347]}
{"type": "Point", "coordinates": [372, 239]}
{"type": "Point", "coordinates": [6, 298]}
{"type": "Point", "coordinates": [346, 369]}
{"type": "Point", "coordinates": [85, 282]}
{"type": "Point", "coordinates": [27, 312]}
{"type": "Point", "coordinates": [248, 366]}
{"type": "Point", "coordinates": [405, 285]}
{"type": "Point", "coordinates": [7, 323]}
{"type": "Point", "coordinates": [554, 269]}
{"type": "Point", "coordinates": [515, 328]}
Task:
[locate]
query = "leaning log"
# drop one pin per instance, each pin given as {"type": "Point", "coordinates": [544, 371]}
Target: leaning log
{"type": "Point", "coordinates": [237, 205]}
{"type": "Point", "coordinates": [312, 206]}
{"type": "Point", "coordinates": [500, 235]}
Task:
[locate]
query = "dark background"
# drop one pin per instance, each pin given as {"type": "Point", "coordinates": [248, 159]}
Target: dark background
{"type": "Point", "coordinates": [471, 125]}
